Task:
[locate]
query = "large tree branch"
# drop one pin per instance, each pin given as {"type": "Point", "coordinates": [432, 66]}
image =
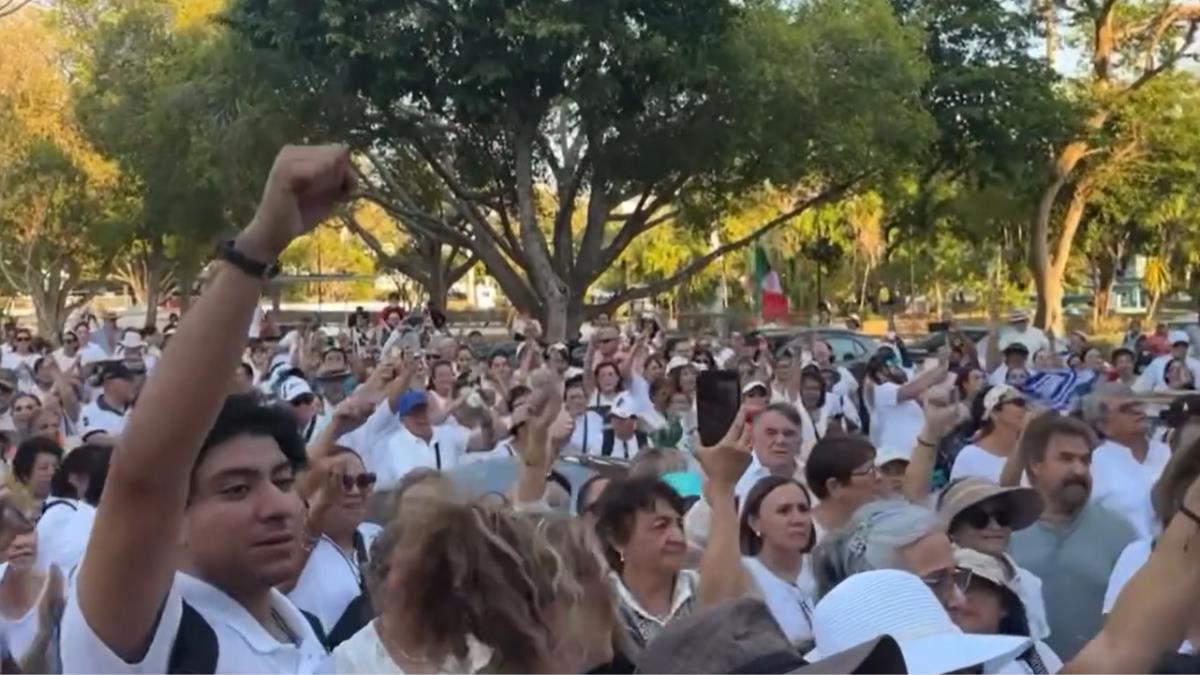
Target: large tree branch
{"type": "Point", "coordinates": [699, 263]}
{"type": "Point", "coordinates": [398, 263]}
{"type": "Point", "coordinates": [1153, 70]}
{"type": "Point", "coordinates": [10, 7]}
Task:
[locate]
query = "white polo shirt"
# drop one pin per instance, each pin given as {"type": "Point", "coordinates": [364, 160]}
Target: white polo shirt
{"type": "Point", "coordinates": [100, 416]}
{"type": "Point", "coordinates": [394, 454]}
{"type": "Point", "coordinates": [332, 578]}
{"type": "Point", "coordinates": [243, 644]}
{"type": "Point", "coordinates": [1123, 484]}
{"type": "Point", "coordinates": [63, 532]}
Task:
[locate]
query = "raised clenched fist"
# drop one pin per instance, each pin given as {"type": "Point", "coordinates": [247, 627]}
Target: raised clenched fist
{"type": "Point", "coordinates": [305, 184]}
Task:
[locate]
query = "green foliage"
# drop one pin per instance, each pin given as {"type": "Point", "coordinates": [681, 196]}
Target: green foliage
{"type": "Point", "coordinates": [684, 106]}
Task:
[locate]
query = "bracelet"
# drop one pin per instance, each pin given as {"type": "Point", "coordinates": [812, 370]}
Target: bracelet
{"type": "Point", "coordinates": [1190, 514]}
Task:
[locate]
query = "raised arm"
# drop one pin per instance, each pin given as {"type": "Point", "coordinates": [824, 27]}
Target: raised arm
{"type": "Point", "coordinates": [994, 358]}
{"type": "Point", "coordinates": [921, 383]}
{"type": "Point", "coordinates": [722, 576]}
{"type": "Point", "coordinates": [1157, 604]}
{"type": "Point", "coordinates": [940, 418]}
{"type": "Point", "coordinates": [133, 551]}
{"type": "Point", "coordinates": [539, 451]}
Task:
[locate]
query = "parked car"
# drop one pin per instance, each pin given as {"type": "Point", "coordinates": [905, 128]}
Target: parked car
{"type": "Point", "coordinates": [850, 349]}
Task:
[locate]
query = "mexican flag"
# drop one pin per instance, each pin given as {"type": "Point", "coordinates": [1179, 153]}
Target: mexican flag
{"type": "Point", "coordinates": [772, 303]}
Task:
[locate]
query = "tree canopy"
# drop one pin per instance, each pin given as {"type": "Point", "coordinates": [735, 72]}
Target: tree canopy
{"type": "Point", "coordinates": [632, 113]}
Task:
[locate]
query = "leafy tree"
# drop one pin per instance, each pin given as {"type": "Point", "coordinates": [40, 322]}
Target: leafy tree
{"type": "Point", "coordinates": [633, 113]}
{"type": "Point", "coordinates": [164, 92]}
{"type": "Point", "coordinates": [1130, 45]}
{"type": "Point", "coordinates": [62, 206]}
{"type": "Point", "coordinates": [997, 109]}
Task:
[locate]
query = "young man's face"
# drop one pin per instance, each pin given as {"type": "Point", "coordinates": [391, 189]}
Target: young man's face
{"type": "Point", "coordinates": [624, 427]}
{"type": "Point", "coordinates": [242, 525]}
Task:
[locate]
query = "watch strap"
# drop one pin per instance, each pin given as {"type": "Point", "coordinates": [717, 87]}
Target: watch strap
{"type": "Point", "coordinates": [228, 252]}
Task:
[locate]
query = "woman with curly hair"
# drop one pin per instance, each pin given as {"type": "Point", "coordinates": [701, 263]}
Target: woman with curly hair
{"type": "Point", "coordinates": [464, 588]}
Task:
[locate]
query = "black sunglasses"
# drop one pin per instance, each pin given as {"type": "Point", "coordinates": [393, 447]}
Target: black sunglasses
{"type": "Point", "coordinates": [1019, 402]}
{"type": "Point", "coordinates": [304, 399]}
{"type": "Point", "coordinates": [978, 517]}
{"type": "Point", "coordinates": [362, 480]}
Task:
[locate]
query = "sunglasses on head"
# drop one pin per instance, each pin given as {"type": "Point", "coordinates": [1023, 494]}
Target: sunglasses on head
{"type": "Point", "coordinates": [362, 481]}
{"type": "Point", "coordinates": [304, 399]}
{"type": "Point", "coordinates": [23, 338]}
{"type": "Point", "coordinates": [978, 517]}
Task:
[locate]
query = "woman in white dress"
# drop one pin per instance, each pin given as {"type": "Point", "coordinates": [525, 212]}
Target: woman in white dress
{"type": "Point", "coordinates": [776, 534]}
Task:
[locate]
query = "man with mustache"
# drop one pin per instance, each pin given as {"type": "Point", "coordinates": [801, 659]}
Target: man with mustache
{"type": "Point", "coordinates": [1075, 545]}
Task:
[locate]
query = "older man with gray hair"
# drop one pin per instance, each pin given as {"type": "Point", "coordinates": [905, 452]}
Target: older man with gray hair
{"type": "Point", "coordinates": [1127, 463]}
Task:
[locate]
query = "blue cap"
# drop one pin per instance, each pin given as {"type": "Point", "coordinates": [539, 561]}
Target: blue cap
{"type": "Point", "coordinates": [686, 483]}
{"type": "Point", "coordinates": [410, 400]}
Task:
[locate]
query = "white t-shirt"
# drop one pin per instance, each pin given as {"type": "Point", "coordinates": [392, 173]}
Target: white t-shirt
{"type": "Point", "coordinates": [791, 604]}
{"type": "Point", "coordinates": [1155, 374]}
{"type": "Point", "coordinates": [63, 532]}
{"type": "Point", "coordinates": [895, 424]}
{"type": "Point", "coordinates": [243, 644]}
{"type": "Point", "coordinates": [1123, 484]}
{"type": "Point", "coordinates": [331, 578]}
{"type": "Point", "coordinates": [1131, 560]}
{"type": "Point", "coordinates": [1033, 339]}
{"type": "Point", "coordinates": [99, 416]}
{"type": "Point", "coordinates": [364, 654]}
{"type": "Point", "coordinates": [973, 460]}
{"type": "Point", "coordinates": [21, 364]}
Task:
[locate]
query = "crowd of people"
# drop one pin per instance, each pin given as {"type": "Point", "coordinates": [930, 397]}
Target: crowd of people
{"type": "Point", "coordinates": [228, 497]}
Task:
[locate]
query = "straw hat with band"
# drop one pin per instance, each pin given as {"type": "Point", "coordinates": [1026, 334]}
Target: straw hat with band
{"type": "Point", "coordinates": [1023, 505]}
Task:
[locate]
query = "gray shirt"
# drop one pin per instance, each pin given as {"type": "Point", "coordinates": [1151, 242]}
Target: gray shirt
{"type": "Point", "coordinates": [1074, 561]}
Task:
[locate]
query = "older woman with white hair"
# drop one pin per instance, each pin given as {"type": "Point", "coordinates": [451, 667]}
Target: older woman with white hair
{"type": "Point", "coordinates": [891, 534]}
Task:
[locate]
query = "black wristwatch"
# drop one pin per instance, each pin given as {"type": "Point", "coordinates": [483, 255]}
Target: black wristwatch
{"type": "Point", "coordinates": [228, 252]}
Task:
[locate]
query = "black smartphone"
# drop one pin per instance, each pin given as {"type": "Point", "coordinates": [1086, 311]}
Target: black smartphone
{"type": "Point", "coordinates": [718, 397]}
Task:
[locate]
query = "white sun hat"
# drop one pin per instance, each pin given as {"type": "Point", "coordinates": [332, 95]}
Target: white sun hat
{"type": "Point", "coordinates": [678, 362]}
{"type": "Point", "coordinates": [890, 602]}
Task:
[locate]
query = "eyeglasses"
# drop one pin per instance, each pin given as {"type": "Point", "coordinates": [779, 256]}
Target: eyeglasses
{"type": "Point", "coordinates": [1017, 401]}
{"type": "Point", "coordinates": [870, 471]}
{"type": "Point", "coordinates": [945, 580]}
{"type": "Point", "coordinates": [362, 481]}
{"type": "Point", "coordinates": [23, 338]}
{"type": "Point", "coordinates": [978, 518]}
{"type": "Point", "coordinates": [303, 399]}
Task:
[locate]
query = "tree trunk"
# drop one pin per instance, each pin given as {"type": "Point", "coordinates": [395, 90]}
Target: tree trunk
{"type": "Point", "coordinates": [1106, 276]}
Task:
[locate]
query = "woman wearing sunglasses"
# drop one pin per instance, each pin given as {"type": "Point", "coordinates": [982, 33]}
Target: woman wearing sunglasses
{"type": "Point", "coordinates": [982, 516]}
{"type": "Point", "coordinates": [335, 543]}
{"type": "Point", "coordinates": [992, 606]}
{"type": "Point", "coordinates": [1000, 413]}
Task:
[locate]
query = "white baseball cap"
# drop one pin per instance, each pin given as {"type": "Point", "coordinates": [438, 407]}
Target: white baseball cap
{"type": "Point", "coordinates": [892, 453]}
{"type": "Point", "coordinates": [869, 605]}
{"type": "Point", "coordinates": [623, 407]}
{"type": "Point", "coordinates": [1179, 336]}
{"type": "Point", "coordinates": [293, 388]}
{"type": "Point", "coordinates": [678, 362]}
